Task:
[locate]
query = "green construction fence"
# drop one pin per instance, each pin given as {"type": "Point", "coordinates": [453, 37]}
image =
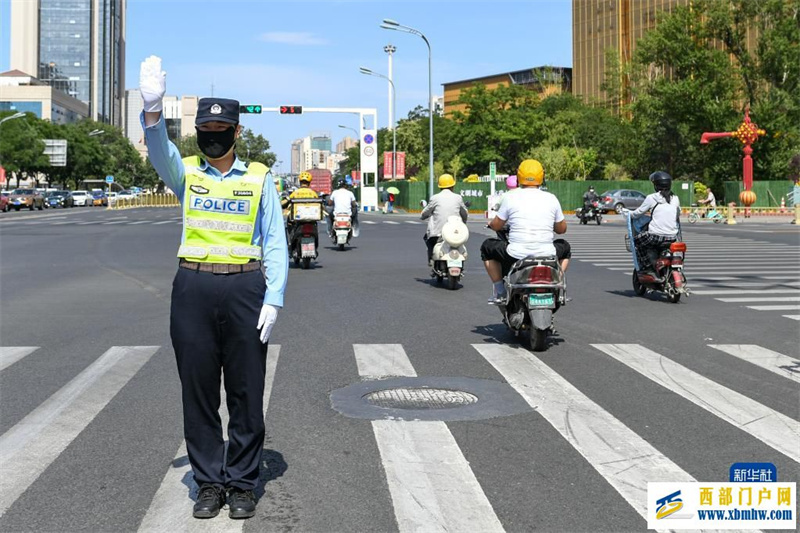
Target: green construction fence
{"type": "Point", "coordinates": [768, 193]}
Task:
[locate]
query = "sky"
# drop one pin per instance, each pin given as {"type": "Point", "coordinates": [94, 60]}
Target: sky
{"type": "Point", "coordinates": [308, 53]}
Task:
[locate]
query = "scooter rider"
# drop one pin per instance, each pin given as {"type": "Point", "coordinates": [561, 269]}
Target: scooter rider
{"type": "Point", "coordinates": [442, 206]}
{"type": "Point", "coordinates": [589, 197]}
{"type": "Point", "coordinates": [304, 192]}
{"type": "Point", "coordinates": [664, 208]}
{"type": "Point", "coordinates": [533, 216]}
{"type": "Point", "coordinates": [343, 202]}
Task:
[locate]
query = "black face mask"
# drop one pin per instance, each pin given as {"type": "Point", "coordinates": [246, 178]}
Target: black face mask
{"type": "Point", "coordinates": [215, 144]}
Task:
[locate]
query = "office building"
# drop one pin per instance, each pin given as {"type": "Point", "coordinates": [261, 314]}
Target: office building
{"type": "Point", "coordinates": [299, 147]}
{"type": "Point", "coordinates": [179, 115]}
{"type": "Point", "coordinates": [544, 80]}
{"type": "Point", "coordinates": [345, 144]}
{"type": "Point", "coordinates": [76, 47]}
{"type": "Point", "coordinates": [22, 92]}
{"type": "Point", "coordinates": [321, 141]}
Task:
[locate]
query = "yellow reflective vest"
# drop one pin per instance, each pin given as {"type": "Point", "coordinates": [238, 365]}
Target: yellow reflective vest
{"type": "Point", "coordinates": [219, 216]}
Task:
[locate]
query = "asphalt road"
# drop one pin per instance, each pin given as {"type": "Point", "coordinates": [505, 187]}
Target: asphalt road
{"type": "Point", "coordinates": [632, 389]}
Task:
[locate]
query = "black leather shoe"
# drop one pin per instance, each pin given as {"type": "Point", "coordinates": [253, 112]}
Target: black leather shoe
{"type": "Point", "coordinates": [209, 501]}
{"type": "Point", "coordinates": [242, 503]}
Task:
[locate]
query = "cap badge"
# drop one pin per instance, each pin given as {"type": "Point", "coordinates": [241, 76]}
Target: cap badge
{"type": "Point", "coordinates": [216, 109]}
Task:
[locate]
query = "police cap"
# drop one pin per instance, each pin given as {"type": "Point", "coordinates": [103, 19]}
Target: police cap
{"type": "Point", "coordinates": [217, 110]}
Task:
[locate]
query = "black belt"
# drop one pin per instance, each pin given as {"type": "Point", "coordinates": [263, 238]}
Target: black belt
{"type": "Point", "coordinates": [220, 268]}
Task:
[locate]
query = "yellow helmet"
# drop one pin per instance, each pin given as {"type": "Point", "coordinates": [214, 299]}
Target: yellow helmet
{"type": "Point", "coordinates": [446, 181]}
{"type": "Point", "coordinates": [304, 176]}
{"type": "Point", "coordinates": [530, 172]}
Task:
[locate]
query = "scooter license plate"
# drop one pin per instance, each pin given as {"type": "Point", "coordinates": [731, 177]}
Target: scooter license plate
{"type": "Point", "coordinates": [541, 300]}
{"type": "Point", "coordinates": [454, 263]}
{"type": "Point", "coordinates": [307, 245]}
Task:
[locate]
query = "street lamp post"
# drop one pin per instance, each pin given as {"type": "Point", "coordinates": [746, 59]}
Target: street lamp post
{"type": "Point", "coordinates": [390, 49]}
{"type": "Point", "coordinates": [389, 24]}
{"type": "Point", "coordinates": [368, 72]}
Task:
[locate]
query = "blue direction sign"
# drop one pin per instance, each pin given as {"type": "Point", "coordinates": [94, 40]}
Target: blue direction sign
{"type": "Point", "coordinates": [109, 179]}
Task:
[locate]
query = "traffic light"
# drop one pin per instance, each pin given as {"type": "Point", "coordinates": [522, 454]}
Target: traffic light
{"type": "Point", "coordinates": [253, 109]}
{"type": "Point", "coordinates": [291, 110]}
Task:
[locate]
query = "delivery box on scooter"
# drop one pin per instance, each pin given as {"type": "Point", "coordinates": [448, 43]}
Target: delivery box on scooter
{"type": "Point", "coordinates": [306, 210]}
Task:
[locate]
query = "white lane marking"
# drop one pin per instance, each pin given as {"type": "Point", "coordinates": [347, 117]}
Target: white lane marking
{"type": "Point", "coordinates": [116, 218]}
{"type": "Point", "coordinates": [164, 222]}
{"type": "Point", "coordinates": [622, 457]}
{"type": "Point", "coordinates": [430, 481]}
{"type": "Point", "coordinates": [415, 222]}
{"type": "Point", "coordinates": [32, 223]}
{"type": "Point", "coordinates": [390, 222]}
{"type": "Point", "coordinates": [11, 354]}
{"type": "Point", "coordinates": [170, 509]}
{"type": "Point", "coordinates": [381, 360]}
{"type": "Point", "coordinates": [711, 292]}
{"type": "Point", "coordinates": [776, 362]}
{"type": "Point", "coordinates": [767, 425]}
{"type": "Point", "coordinates": [116, 222]}
{"type": "Point", "coordinates": [756, 299]}
{"type": "Point", "coordinates": [89, 222]}
{"type": "Point", "coordinates": [793, 317]}
{"type": "Point", "coordinates": [788, 276]}
{"type": "Point", "coordinates": [368, 222]}
{"type": "Point", "coordinates": [774, 307]}
{"type": "Point", "coordinates": [29, 447]}
{"type": "Point", "coordinates": [139, 222]}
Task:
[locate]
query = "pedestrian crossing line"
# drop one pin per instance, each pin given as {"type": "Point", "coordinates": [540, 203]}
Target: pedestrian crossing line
{"type": "Point", "coordinates": [89, 222]}
{"type": "Point", "coordinates": [170, 509]}
{"type": "Point", "coordinates": [115, 222]}
{"type": "Point", "coordinates": [29, 447]}
{"type": "Point", "coordinates": [139, 222]}
{"type": "Point", "coordinates": [715, 292]}
{"type": "Point", "coordinates": [163, 222]}
{"type": "Point", "coordinates": [793, 317]}
{"type": "Point", "coordinates": [767, 425]}
{"type": "Point", "coordinates": [391, 222]}
{"type": "Point", "coordinates": [755, 299]}
{"type": "Point", "coordinates": [774, 307]}
{"type": "Point", "coordinates": [430, 481]}
{"type": "Point", "coordinates": [621, 456]}
{"type": "Point", "coordinates": [11, 354]}
{"type": "Point", "coordinates": [775, 362]}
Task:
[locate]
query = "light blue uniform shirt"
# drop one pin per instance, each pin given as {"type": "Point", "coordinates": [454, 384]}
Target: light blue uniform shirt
{"type": "Point", "coordinates": [269, 231]}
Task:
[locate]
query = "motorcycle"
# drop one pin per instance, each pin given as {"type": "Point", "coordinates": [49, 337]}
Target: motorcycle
{"type": "Point", "coordinates": [592, 213]}
{"type": "Point", "coordinates": [303, 236]}
{"type": "Point", "coordinates": [536, 290]}
{"type": "Point", "coordinates": [667, 276]}
{"type": "Point", "coordinates": [450, 253]}
{"type": "Point", "coordinates": [342, 230]}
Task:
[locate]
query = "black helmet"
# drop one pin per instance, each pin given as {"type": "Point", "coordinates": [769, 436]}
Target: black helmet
{"type": "Point", "coordinates": [340, 183]}
{"type": "Point", "coordinates": [661, 180]}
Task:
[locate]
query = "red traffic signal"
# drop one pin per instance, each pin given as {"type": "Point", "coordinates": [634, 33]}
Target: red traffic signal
{"type": "Point", "coordinates": [291, 110]}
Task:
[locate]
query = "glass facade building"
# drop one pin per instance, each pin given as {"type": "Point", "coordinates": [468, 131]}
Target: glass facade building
{"type": "Point", "coordinates": [65, 46]}
{"type": "Point", "coordinates": [110, 48]}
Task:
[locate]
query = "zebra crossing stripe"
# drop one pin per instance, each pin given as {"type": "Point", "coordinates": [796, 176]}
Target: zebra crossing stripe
{"type": "Point", "coordinates": [170, 507]}
{"type": "Point", "coordinates": [368, 222]}
{"type": "Point", "coordinates": [163, 222]}
{"type": "Point", "coordinates": [391, 222]}
{"type": "Point", "coordinates": [11, 354]}
{"type": "Point", "coordinates": [755, 299]}
{"type": "Point", "coordinates": [29, 447]}
{"type": "Point", "coordinates": [622, 457]}
{"type": "Point", "coordinates": [774, 307]}
{"type": "Point", "coordinates": [139, 222]}
{"type": "Point", "coordinates": [783, 365]}
{"type": "Point", "coordinates": [431, 483]}
{"type": "Point", "coordinates": [793, 317]}
{"type": "Point", "coordinates": [767, 425]}
{"type": "Point", "coordinates": [712, 292]}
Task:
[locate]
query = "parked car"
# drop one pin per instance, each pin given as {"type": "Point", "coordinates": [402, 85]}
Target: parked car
{"type": "Point", "coordinates": [128, 196]}
{"type": "Point", "coordinates": [617, 199]}
{"type": "Point", "coordinates": [29, 198]}
{"type": "Point", "coordinates": [112, 197]}
{"type": "Point", "coordinates": [4, 202]}
{"type": "Point", "coordinates": [82, 198]}
{"type": "Point", "coordinates": [59, 199]}
{"type": "Point", "coordinates": [99, 198]}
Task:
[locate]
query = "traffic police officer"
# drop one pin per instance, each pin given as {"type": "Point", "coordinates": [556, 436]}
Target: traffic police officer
{"type": "Point", "coordinates": [226, 294]}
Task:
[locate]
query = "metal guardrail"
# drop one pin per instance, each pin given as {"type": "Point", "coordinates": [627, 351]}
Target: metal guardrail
{"type": "Point", "coordinates": [731, 212]}
{"type": "Point", "coordinates": [146, 200]}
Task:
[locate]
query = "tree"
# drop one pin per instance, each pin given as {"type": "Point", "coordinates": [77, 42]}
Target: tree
{"type": "Point", "coordinates": [21, 148]}
{"type": "Point", "coordinates": [254, 147]}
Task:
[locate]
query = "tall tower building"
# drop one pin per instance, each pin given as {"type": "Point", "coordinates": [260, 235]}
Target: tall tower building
{"type": "Point", "coordinates": [602, 25]}
{"type": "Point", "coordinates": [75, 46]}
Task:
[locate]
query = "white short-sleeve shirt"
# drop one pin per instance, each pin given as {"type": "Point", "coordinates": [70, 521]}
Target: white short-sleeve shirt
{"type": "Point", "coordinates": [531, 214]}
{"type": "Point", "coordinates": [342, 201]}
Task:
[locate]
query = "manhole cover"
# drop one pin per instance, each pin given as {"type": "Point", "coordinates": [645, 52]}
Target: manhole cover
{"type": "Point", "coordinates": [420, 398]}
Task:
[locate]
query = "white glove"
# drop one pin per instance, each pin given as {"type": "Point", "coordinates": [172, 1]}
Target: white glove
{"type": "Point", "coordinates": [266, 319]}
{"type": "Point", "coordinates": [152, 84]}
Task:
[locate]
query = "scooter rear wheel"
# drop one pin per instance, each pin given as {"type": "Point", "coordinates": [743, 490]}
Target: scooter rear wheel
{"type": "Point", "coordinates": [538, 339]}
{"type": "Point", "coordinates": [638, 288]}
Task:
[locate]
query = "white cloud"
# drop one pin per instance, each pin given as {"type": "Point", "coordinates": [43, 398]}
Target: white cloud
{"type": "Point", "coordinates": [297, 38]}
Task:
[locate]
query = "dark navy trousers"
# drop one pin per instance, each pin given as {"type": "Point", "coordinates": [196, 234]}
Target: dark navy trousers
{"type": "Point", "coordinates": [213, 328]}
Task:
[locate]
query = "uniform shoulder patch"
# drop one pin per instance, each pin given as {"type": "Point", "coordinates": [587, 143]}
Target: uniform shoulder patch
{"type": "Point", "coordinates": [199, 189]}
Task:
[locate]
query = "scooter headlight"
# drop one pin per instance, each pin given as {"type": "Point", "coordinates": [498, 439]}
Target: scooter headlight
{"type": "Point", "coordinates": [454, 254]}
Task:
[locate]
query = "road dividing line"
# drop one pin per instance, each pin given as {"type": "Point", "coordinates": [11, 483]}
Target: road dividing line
{"type": "Point", "coordinates": [767, 425]}
{"type": "Point", "coordinates": [755, 299]}
{"type": "Point", "coordinates": [170, 509]}
{"type": "Point", "coordinates": [783, 365]}
{"type": "Point", "coordinates": [774, 307]}
{"type": "Point", "coordinates": [622, 457]}
{"type": "Point", "coordinates": [432, 486]}
{"type": "Point", "coordinates": [11, 354]}
{"type": "Point", "coordinates": [29, 447]}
